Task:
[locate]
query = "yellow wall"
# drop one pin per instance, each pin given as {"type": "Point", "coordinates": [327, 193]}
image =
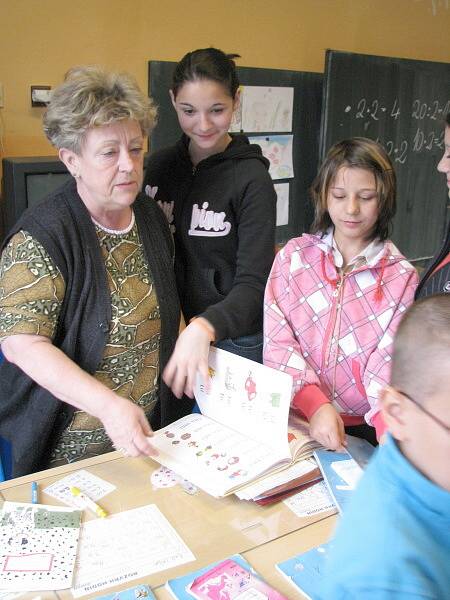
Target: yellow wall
{"type": "Point", "coordinates": [41, 39]}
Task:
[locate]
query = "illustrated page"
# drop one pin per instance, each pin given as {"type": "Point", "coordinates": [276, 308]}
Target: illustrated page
{"type": "Point", "coordinates": [248, 397]}
{"type": "Point", "coordinates": [212, 456]}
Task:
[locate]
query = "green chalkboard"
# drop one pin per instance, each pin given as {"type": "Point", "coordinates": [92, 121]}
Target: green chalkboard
{"type": "Point", "coordinates": [305, 129]}
{"type": "Point", "coordinates": [401, 103]}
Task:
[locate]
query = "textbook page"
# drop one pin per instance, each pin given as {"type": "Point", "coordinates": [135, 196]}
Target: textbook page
{"type": "Point", "coordinates": [248, 397]}
{"type": "Point", "coordinates": [126, 546]}
{"type": "Point", "coordinates": [213, 457]}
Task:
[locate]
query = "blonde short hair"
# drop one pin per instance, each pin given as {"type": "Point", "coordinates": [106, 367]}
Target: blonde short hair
{"type": "Point", "coordinates": [91, 96]}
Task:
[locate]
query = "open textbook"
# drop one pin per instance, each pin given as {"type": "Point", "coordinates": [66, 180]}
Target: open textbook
{"type": "Point", "coordinates": [242, 433]}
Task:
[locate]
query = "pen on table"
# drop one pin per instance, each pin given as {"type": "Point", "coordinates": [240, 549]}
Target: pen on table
{"type": "Point", "coordinates": [93, 506]}
{"type": "Point", "coordinates": [34, 492]}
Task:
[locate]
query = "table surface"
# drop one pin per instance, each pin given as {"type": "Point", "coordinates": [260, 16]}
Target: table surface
{"type": "Point", "coordinates": [212, 528]}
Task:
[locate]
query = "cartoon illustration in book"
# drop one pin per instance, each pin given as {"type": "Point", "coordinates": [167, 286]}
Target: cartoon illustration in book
{"type": "Point", "coordinates": [212, 372]}
{"type": "Point", "coordinates": [238, 473]}
{"type": "Point", "coordinates": [250, 386]}
{"type": "Point", "coordinates": [201, 452]}
{"type": "Point", "coordinates": [275, 400]}
{"type": "Point", "coordinates": [229, 385]}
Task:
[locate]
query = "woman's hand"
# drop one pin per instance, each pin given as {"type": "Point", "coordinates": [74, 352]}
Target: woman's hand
{"type": "Point", "coordinates": [189, 357]}
{"type": "Point", "coordinates": [326, 426]}
{"type": "Point", "coordinates": [128, 428]}
{"type": "Point", "coordinates": [124, 422]}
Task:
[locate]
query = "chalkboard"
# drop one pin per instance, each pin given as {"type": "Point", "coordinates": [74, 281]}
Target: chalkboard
{"type": "Point", "coordinates": [401, 103]}
{"type": "Point", "coordinates": [305, 129]}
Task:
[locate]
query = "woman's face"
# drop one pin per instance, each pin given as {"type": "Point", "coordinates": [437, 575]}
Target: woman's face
{"type": "Point", "coordinates": [205, 110]}
{"type": "Point", "coordinates": [444, 163]}
{"type": "Point", "coordinates": [110, 166]}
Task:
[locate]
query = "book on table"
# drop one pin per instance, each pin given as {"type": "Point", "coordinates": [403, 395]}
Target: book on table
{"type": "Point", "coordinates": [142, 592]}
{"type": "Point", "coordinates": [232, 578]}
{"type": "Point", "coordinates": [306, 571]}
{"type": "Point", "coordinates": [242, 432]}
{"type": "Point", "coordinates": [342, 470]}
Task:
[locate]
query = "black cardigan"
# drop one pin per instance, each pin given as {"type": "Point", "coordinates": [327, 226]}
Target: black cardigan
{"type": "Point", "coordinates": [31, 418]}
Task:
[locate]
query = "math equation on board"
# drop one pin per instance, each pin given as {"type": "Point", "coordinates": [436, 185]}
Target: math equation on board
{"type": "Point", "coordinates": [426, 118]}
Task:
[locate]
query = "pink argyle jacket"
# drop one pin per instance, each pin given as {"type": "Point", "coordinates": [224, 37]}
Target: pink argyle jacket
{"type": "Point", "coordinates": [334, 333]}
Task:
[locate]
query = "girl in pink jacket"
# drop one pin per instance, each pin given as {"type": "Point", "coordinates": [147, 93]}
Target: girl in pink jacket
{"type": "Point", "coordinates": [334, 297]}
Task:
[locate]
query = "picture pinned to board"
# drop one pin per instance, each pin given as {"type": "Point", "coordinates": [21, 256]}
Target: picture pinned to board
{"type": "Point", "coordinates": [282, 191]}
{"type": "Point", "coordinates": [278, 151]}
{"type": "Point", "coordinates": [264, 109]}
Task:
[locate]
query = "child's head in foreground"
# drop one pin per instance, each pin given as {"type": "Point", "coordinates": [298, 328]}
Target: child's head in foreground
{"type": "Point", "coordinates": [357, 168]}
{"type": "Point", "coordinates": [416, 406]}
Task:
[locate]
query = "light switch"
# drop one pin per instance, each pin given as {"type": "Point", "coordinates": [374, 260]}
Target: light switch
{"type": "Point", "coordinates": [40, 95]}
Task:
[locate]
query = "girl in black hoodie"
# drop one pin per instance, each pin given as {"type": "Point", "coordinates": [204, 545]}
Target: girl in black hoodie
{"type": "Point", "coordinates": [218, 196]}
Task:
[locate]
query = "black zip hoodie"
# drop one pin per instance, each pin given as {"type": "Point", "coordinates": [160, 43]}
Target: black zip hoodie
{"type": "Point", "coordinates": [223, 215]}
{"type": "Point", "coordinates": [436, 283]}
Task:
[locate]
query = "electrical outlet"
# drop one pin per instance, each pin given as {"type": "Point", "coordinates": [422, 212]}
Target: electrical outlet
{"type": "Point", "coordinates": [2, 100]}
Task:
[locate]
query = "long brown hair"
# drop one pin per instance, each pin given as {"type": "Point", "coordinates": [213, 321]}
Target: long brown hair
{"type": "Point", "coordinates": [362, 153]}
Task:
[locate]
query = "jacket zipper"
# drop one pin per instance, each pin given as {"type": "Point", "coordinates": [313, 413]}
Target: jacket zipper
{"type": "Point", "coordinates": [330, 330]}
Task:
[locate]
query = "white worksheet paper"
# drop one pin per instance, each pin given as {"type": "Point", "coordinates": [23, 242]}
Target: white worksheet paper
{"type": "Point", "coordinates": [94, 487]}
{"type": "Point", "coordinates": [126, 546]}
{"type": "Point", "coordinates": [313, 500]}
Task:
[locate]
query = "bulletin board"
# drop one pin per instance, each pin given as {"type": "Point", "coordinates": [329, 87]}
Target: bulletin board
{"type": "Point", "coordinates": [298, 137]}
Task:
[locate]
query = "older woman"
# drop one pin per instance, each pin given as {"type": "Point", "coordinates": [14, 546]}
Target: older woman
{"type": "Point", "coordinates": [88, 305]}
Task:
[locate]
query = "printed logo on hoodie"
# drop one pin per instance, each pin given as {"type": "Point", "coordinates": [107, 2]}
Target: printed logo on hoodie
{"type": "Point", "coordinates": [208, 223]}
{"type": "Point", "coordinates": [166, 207]}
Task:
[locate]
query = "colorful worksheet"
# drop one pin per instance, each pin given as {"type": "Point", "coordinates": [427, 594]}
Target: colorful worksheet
{"type": "Point", "coordinates": [38, 546]}
{"type": "Point", "coordinates": [126, 546]}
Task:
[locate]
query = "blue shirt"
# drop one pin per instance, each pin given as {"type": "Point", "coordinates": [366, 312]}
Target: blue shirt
{"type": "Point", "coordinates": [394, 538]}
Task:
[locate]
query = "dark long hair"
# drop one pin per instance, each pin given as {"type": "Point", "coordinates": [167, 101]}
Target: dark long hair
{"type": "Point", "coordinates": [207, 63]}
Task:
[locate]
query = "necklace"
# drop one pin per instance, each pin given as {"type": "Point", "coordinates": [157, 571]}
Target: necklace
{"type": "Point", "coordinates": [116, 231]}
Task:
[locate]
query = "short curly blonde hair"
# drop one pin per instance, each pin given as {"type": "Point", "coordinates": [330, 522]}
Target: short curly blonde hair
{"type": "Point", "coordinates": [91, 96]}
